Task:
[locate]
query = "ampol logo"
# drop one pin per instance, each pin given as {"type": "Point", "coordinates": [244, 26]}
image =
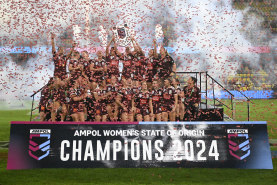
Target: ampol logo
{"type": "Point", "coordinates": [238, 140]}
{"type": "Point", "coordinates": [39, 143]}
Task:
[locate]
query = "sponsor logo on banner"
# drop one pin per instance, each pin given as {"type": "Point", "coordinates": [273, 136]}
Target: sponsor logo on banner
{"type": "Point", "coordinates": [239, 145]}
{"type": "Point", "coordinates": [39, 143]}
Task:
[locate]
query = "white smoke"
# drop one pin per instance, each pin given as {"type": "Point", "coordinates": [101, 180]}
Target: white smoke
{"type": "Point", "coordinates": [211, 27]}
{"type": "Point", "coordinates": [19, 82]}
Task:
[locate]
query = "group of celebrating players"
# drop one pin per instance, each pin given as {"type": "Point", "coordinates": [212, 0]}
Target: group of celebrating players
{"type": "Point", "coordinates": [96, 90]}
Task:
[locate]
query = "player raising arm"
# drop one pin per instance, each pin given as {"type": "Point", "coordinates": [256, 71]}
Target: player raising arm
{"type": "Point", "coordinates": [151, 63]}
{"type": "Point", "coordinates": [167, 67]}
{"type": "Point", "coordinates": [112, 61]}
{"type": "Point", "coordinates": [60, 59]}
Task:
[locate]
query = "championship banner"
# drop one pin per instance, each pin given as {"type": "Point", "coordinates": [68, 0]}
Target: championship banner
{"type": "Point", "coordinates": [139, 145]}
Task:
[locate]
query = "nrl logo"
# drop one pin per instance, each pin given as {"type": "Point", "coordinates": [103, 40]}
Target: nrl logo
{"type": "Point", "coordinates": [39, 143]}
{"type": "Point", "coordinates": [239, 146]}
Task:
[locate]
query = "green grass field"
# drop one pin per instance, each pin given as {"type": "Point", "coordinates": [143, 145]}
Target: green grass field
{"type": "Point", "coordinates": [261, 110]}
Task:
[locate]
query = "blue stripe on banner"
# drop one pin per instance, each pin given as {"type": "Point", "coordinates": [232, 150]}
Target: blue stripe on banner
{"type": "Point", "coordinates": [207, 122]}
{"type": "Point", "coordinates": [44, 144]}
{"type": "Point", "coordinates": [45, 135]}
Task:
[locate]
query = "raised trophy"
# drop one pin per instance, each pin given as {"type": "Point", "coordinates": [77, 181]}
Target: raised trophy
{"type": "Point", "coordinates": [122, 34]}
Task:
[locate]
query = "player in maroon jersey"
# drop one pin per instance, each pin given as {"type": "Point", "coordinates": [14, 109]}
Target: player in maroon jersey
{"type": "Point", "coordinates": [125, 100]}
{"type": "Point", "coordinates": [127, 59]}
{"type": "Point", "coordinates": [59, 99]}
{"type": "Point", "coordinates": [157, 95]}
{"type": "Point", "coordinates": [170, 100]}
{"type": "Point", "coordinates": [139, 62]}
{"type": "Point", "coordinates": [192, 98]}
{"type": "Point", "coordinates": [90, 101]}
{"type": "Point", "coordinates": [78, 94]}
{"type": "Point", "coordinates": [75, 67]}
{"type": "Point", "coordinates": [98, 68]}
{"type": "Point", "coordinates": [112, 59]}
{"type": "Point", "coordinates": [87, 65]}
{"type": "Point", "coordinates": [112, 106]}
{"type": "Point", "coordinates": [60, 60]}
{"type": "Point", "coordinates": [166, 65]}
{"type": "Point", "coordinates": [144, 107]}
{"type": "Point", "coordinates": [180, 106]}
{"type": "Point", "coordinates": [100, 105]}
{"type": "Point", "coordinates": [151, 63]}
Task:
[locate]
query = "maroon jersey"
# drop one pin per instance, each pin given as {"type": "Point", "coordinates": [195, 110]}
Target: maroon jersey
{"type": "Point", "coordinates": [75, 73]}
{"type": "Point", "coordinates": [76, 106]}
{"type": "Point", "coordinates": [142, 99]}
{"type": "Point", "coordinates": [101, 105]}
{"type": "Point", "coordinates": [60, 94]}
{"type": "Point", "coordinates": [101, 93]}
{"type": "Point", "coordinates": [165, 66]}
{"type": "Point", "coordinates": [136, 90]}
{"type": "Point", "coordinates": [113, 90]}
{"type": "Point", "coordinates": [60, 65]}
{"type": "Point", "coordinates": [151, 68]}
{"type": "Point", "coordinates": [45, 95]}
{"type": "Point", "coordinates": [113, 66]}
{"type": "Point", "coordinates": [192, 95]}
{"type": "Point", "coordinates": [157, 98]}
{"type": "Point", "coordinates": [139, 68]}
{"type": "Point", "coordinates": [127, 95]}
{"type": "Point", "coordinates": [87, 71]}
{"type": "Point", "coordinates": [98, 76]}
{"type": "Point", "coordinates": [127, 66]}
{"type": "Point", "coordinates": [168, 98]}
{"type": "Point", "coordinates": [89, 103]}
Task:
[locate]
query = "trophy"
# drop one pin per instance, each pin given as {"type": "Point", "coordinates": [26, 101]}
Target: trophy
{"type": "Point", "coordinates": [122, 34]}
